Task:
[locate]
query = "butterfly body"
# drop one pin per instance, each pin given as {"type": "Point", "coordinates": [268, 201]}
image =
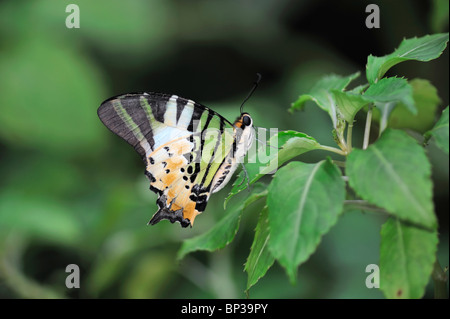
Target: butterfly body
{"type": "Point", "coordinates": [189, 150]}
{"type": "Point", "coordinates": [244, 138]}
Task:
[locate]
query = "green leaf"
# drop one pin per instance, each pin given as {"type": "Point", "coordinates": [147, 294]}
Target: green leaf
{"type": "Point", "coordinates": [359, 89]}
{"type": "Point", "coordinates": [291, 143]}
{"type": "Point", "coordinates": [394, 173]}
{"type": "Point", "coordinates": [260, 259]}
{"type": "Point", "coordinates": [304, 201]}
{"type": "Point", "coordinates": [348, 104]}
{"type": "Point", "coordinates": [422, 49]}
{"type": "Point", "coordinates": [440, 131]}
{"type": "Point", "coordinates": [407, 255]}
{"type": "Point", "coordinates": [322, 96]}
{"type": "Point", "coordinates": [392, 90]}
{"type": "Point", "coordinates": [398, 115]}
{"type": "Point", "coordinates": [225, 229]}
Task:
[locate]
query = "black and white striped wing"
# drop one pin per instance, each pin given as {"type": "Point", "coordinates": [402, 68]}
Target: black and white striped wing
{"type": "Point", "coordinates": [182, 142]}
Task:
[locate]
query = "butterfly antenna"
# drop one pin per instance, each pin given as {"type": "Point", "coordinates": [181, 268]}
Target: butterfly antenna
{"type": "Point", "coordinates": [255, 85]}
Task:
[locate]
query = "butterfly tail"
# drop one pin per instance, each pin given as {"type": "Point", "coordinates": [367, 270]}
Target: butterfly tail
{"type": "Point", "coordinates": [166, 213]}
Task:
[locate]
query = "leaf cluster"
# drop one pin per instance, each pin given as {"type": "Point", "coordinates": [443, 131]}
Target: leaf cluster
{"type": "Point", "coordinates": [392, 175]}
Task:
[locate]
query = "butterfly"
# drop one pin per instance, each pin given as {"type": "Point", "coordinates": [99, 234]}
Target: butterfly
{"type": "Point", "coordinates": [190, 151]}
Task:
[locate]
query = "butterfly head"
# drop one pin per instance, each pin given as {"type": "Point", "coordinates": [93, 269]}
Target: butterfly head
{"type": "Point", "coordinates": [244, 121]}
{"type": "Point", "coordinates": [244, 132]}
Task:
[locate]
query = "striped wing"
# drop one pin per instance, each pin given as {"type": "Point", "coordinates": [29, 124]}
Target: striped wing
{"type": "Point", "coordinates": [182, 143]}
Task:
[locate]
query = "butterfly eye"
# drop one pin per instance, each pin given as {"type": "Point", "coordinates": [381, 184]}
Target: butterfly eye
{"type": "Point", "coordinates": [246, 120]}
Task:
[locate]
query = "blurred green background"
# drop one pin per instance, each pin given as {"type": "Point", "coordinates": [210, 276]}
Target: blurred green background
{"type": "Point", "coordinates": [71, 192]}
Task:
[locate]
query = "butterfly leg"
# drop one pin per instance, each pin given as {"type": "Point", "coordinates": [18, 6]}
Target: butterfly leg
{"type": "Point", "coordinates": [267, 142]}
{"type": "Point", "coordinates": [245, 177]}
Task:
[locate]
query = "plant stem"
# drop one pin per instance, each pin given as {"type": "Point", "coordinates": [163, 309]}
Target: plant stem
{"type": "Point", "coordinates": [367, 129]}
{"type": "Point", "coordinates": [343, 144]}
{"type": "Point", "coordinates": [332, 149]}
{"type": "Point", "coordinates": [385, 109]}
{"type": "Point", "coordinates": [349, 136]}
{"type": "Point", "coordinates": [440, 281]}
{"type": "Point", "coordinates": [427, 137]}
{"type": "Point", "coordinates": [359, 204]}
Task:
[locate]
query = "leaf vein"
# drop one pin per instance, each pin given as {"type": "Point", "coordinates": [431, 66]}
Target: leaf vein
{"type": "Point", "coordinates": [302, 203]}
{"type": "Point", "coordinates": [391, 171]}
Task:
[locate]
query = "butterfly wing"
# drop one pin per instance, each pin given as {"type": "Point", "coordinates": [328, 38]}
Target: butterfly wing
{"type": "Point", "coordinates": [183, 144]}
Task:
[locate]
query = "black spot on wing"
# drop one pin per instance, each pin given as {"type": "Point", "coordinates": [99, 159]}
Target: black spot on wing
{"type": "Point", "coordinates": [199, 196]}
{"type": "Point", "coordinates": [150, 176]}
{"type": "Point", "coordinates": [156, 190]}
{"type": "Point", "coordinates": [201, 203]}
